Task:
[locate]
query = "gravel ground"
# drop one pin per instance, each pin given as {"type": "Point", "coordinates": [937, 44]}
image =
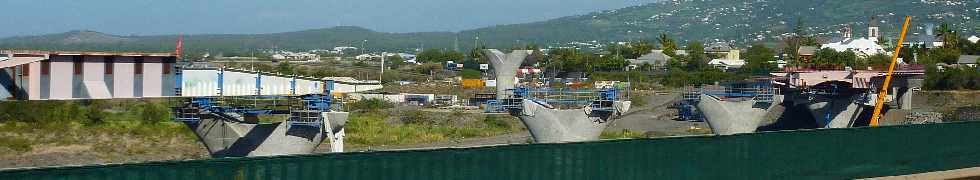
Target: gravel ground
{"type": "Point", "coordinates": [655, 117]}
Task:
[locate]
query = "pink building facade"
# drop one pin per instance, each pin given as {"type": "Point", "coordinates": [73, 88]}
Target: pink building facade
{"type": "Point", "coordinates": [40, 75]}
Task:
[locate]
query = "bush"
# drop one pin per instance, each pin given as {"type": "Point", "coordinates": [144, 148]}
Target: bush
{"type": "Point", "coordinates": [953, 78]}
{"type": "Point", "coordinates": [676, 78]}
{"type": "Point", "coordinates": [495, 123]}
{"type": "Point", "coordinates": [470, 74]}
{"type": "Point", "coordinates": [153, 113]}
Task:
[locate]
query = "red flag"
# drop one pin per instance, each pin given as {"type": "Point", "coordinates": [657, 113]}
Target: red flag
{"type": "Point", "coordinates": [180, 44]}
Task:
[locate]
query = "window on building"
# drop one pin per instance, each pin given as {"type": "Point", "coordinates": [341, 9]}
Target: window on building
{"type": "Point", "coordinates": [138, 66]}
{"type": "Point", "coordinates": [45, 67]}
{"type": "Point", "coordinates": [109, 63]}
{"type": "Point", "coordinates": [168, 64]}
{"type": "Point", "coordinates": [77, 63]}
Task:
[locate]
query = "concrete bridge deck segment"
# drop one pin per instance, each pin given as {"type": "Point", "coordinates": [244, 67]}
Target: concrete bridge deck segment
{"type": "Point", "coordinates": [734, 117]}
{"type": "Point", "coordinates": [225, 136]}
{"type": "Point", "coordinates": [548, 125]}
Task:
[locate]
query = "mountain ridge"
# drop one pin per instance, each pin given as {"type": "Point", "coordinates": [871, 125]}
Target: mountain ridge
{"type": "Point", "coordinates": [742, 21]}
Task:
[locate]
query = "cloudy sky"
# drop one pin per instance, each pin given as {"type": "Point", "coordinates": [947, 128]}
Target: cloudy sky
{"type": "Point", "coordinates": [153, 17]}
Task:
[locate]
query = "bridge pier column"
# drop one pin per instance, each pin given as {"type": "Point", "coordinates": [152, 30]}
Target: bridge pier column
{"type": "Point", "coordinates": [505, 66]}
{"type": "Point", "coordinates": [904, 98]}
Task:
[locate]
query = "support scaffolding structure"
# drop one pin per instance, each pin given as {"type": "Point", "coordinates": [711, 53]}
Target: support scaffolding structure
{"type": "Point", "coordinates": [250, 123]}
{"type": "Point", "coordinates": [304, 110]}
{"type": "Point", "coordinates": [598, 100]}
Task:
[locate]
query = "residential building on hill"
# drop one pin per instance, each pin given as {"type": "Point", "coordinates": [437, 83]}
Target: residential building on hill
{"type": "Point", "coordinates": [655, 57]}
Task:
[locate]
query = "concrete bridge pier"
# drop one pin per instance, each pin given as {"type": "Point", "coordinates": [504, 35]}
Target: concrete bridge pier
{"type": "Point", "coordinates": [335, 133]}
{"type": "Point", "coordinates": [733, 117]}
{"type": "Point", "coordinates": [549, 125]}
{"type": "Point", "coordinates": [903, 97]}
{"type": "Point", "coordinates": [838, 112]}
{"type": "Point", "coordinates": [505, 67]}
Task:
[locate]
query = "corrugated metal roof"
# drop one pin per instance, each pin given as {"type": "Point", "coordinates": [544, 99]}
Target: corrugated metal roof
{"type": "Point", "coordinates": [968, 59]}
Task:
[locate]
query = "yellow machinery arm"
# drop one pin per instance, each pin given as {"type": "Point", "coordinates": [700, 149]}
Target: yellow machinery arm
{"type": "Point", "coordinates": [888, 78]}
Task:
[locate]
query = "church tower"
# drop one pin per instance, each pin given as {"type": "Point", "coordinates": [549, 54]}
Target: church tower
{"type": "Point", "coordinates": [873, 30]}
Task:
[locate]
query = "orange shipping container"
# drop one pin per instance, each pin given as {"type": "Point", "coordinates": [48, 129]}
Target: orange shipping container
{"type": "Point", "coordinates": [473, 83]}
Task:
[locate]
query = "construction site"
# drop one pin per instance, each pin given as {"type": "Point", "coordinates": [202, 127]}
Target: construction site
{"type": "Point", "coordinates": [516, 123]}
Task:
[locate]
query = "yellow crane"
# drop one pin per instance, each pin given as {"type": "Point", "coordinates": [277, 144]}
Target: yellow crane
{"type": "Point", "coordinates": [888, 77]}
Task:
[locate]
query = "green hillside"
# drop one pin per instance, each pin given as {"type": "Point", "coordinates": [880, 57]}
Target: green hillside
{"type": "Point", "coordinates": [711, 20]}
{"type": "Point", "coordinates": [739, 20]}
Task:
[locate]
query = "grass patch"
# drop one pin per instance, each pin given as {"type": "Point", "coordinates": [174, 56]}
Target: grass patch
{"type": "Point", "coordinates": [16, 144]}
{"type": "Point", "coordinates": [372, 129]}
{"type": "Point", "coordinates": [113, 131]}
{"type": "Point", "coordinates": [638, 99]}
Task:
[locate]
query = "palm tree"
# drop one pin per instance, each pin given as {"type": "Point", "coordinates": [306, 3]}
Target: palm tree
{"type": "Point", "coordinates": [949, 37]}
{"type": "Point", "coordinates": [667, 45]}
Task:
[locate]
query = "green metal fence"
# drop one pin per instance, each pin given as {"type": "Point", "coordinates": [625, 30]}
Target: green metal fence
{"type": "Point", "coordinates": [806, 154]}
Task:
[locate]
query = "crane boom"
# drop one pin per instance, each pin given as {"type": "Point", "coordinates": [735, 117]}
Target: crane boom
{"type": "Point", "coordinates": [888, 77]}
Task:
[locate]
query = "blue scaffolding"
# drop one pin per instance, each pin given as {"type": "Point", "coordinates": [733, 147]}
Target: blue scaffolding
{"type": "Point", "coordinates": [310, 112]}
{"type": "Point", "coordinates": [760, 91]}
{"type": "Point", "coordinates": [599, 100]}
{"type": "Point", "coordinates": [300, 111]}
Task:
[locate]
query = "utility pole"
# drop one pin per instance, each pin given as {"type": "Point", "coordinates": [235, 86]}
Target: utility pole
{"type": "Point", "coordinates": [362, 45]}
{"type": "Point", "coordinates": [382, 74]}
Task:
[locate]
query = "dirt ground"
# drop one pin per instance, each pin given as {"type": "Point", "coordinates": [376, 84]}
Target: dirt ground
{"type": "Point", "coordinates": [656, 119]}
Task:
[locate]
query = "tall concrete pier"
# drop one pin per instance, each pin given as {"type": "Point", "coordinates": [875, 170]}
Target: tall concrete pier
{"type": "Point", "coordinates": [732, 117]}
{"type": "Point", "coordinates": [550, 125]}
{"type": "Point", "coordinates": [225, 135]}
{"type": "Point", "coordinates": [505, 67]}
